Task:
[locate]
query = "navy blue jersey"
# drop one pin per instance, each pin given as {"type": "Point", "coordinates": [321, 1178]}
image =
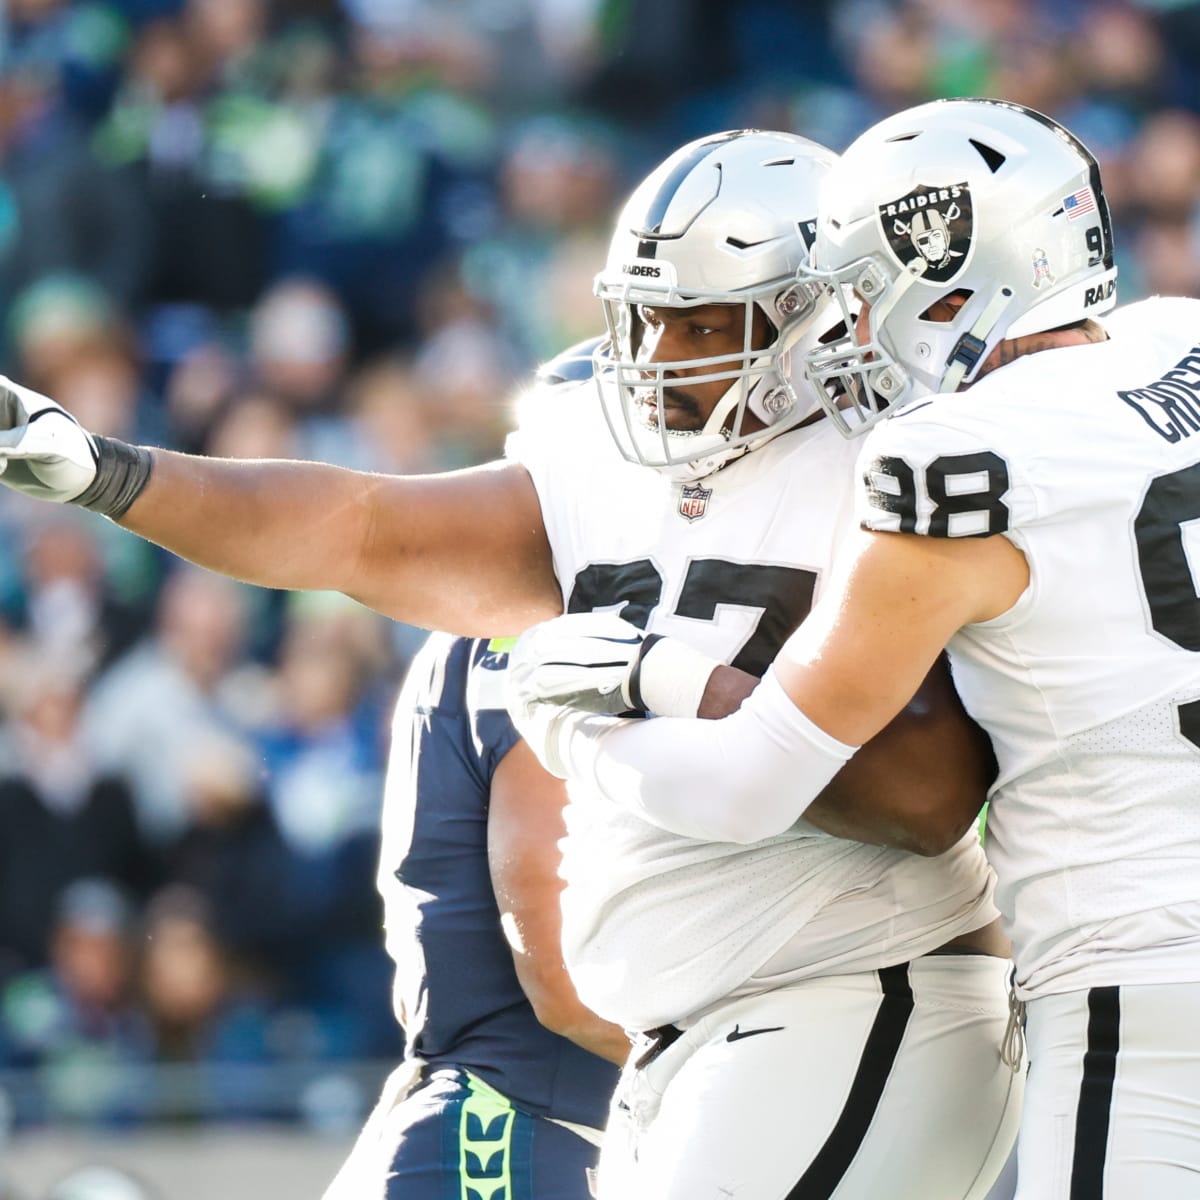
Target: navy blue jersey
{"type": "Point", "coordinates": [456, 991]}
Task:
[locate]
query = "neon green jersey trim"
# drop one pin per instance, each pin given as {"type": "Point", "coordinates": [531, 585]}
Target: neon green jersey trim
{"type": "Point", "coordinates": [502, 645]}
{"type": "Point", "coordinates": [485, 1142]}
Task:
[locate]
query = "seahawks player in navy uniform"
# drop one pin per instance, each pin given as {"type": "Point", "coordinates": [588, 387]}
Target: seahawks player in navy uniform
{"type": "Point", "coordinates": [489, 1102]}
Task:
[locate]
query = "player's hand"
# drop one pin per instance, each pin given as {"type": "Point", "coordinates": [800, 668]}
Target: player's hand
{"type": "Point", "coordinates": [600, 663]}
{"type": "Point", "coordinates": [583, 660]}
{"type": "Point", "coordinates": [44, 451]}
{"type": "Point", "coordinates": [548, 730]}
{"type": "Point", "coordinates": [566, 674]}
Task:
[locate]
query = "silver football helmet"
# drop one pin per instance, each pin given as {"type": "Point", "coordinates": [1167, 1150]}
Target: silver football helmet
{"type": "Point", "coordinates": [726, 219]}
{"type": "Point", "coordinates": [976, 198]}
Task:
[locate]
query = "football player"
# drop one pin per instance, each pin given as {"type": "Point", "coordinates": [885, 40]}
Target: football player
{"type": "Point", "coordinates": [1029, 501]}
{"type": "Point", "coordinates": [822, 1017]}
{"type": "Point", "coordinates": [487, 1095]}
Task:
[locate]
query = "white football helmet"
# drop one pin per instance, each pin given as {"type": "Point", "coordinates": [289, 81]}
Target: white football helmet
{"type": "Point", "coordinates": [726, 219]}
{"type": "Point", "coordinates": [981, 198]}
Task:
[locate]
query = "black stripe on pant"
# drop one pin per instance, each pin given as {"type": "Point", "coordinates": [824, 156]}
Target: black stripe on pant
{"type": "Point", "coordinates": [833, 1160]}
{"type": "Point", "coordinates": [1096, 1093]}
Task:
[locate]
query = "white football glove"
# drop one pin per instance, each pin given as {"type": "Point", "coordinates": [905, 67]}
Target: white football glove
{"type": "Point", "coordinates": [548, 729]}
{"type": "Point", "coordinates": [572, 675]}
{"type": "Point", "coordinates": [601, 663]}
{"type": "Point", "coordinates": [583, 661]}
{"type": "Point", "coordinates": [46, 453]}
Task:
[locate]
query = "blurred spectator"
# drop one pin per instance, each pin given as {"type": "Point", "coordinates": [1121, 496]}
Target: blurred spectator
{"type": "Point", "coordinates": [256, 425]}
{"type": "Point", "coordinates": [403, 173]}
{"type": "Point", "coordinates": [322, 757]}
{"type": "Point", "coordinates": [321, 750]}
{"type": "Point", "coordinates": [558, 187]}
{"type": "Point", "coordinates": [182, 123]}
{"type": "Point", "coordinates": [654, 54]}
{"type": "Point", "coordinates": [92, 951]}
{"type": "Point", "coordinates": [1165, 167]}
{"type": "Point", "coordinates": [233, 855]}
{"type": "Point", "coordinates": [1167, 254]}
{"type": "Point", "coordinates": [396, 421]}
{"type": "Point", "coordinates": [464, 370]}
{"type": "Point", "coordinates": [298, 352]}
{"type": "Point", "coordinates": [75, 1021]}
{"type": "Point", "coordinates": [300, 344]}
{"type": "Point", "coordinates": [57, 320]}
{"type": "Point", "coordinates": [178, 686]}
{"type": "Point", "coordinates": [63, 815]}
{"type": "Point", "coordinates": [1122, 58]}
{"type": "Point", "coordinates": [83, 598]}
{"type": "Point", "coordinates": [62, 210]}
{"type": "Point", "coordinates": [200, 385]}
{"type": "Point", "coordinates": [201, 1013]}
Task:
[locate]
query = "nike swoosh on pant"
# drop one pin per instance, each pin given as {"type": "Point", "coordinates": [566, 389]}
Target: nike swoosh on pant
{"type": "Point", "coordinates": [737, 1033]}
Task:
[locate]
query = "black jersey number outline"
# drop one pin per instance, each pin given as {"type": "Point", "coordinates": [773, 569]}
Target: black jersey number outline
{"type": "Point", "coordinates": [947, 502]}
{"type": "Point", "coordinates": [1167, 583]}
{"type": "Point", "coordinates": [783, 596]}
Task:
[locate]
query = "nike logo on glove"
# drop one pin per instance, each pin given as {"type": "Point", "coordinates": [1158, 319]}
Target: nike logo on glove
{"type": "Point", "coordinates": [737, 1034]}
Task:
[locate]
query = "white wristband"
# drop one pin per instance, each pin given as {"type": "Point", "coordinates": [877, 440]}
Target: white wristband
{"type": "Point", "coordinates": [670, 679]}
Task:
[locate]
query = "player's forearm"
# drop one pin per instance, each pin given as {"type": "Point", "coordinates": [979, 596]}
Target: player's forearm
{"type": "Point", "coordinates": [918, 784]}
{"type": "Point", "coordinates": [463, 551]}
{"type": "Point", "coordinates": [602, 1038]}
{"type": "Point", "coordinates": [746, 777]}
{"type": "Point", "coordinates": [569, 1018]}
{"type": "Point", "coordinates": [278, 524]}
{"type": "Point", "coordinates": [727, 687]}
{"type": "Point", "coordinates": [550, 991]}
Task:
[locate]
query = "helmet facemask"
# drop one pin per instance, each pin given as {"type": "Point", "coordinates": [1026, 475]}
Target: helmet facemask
{"type": "Point", "coordinates": [760, 382]}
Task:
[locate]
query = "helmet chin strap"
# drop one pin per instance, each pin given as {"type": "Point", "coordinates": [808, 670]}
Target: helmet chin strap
{"type": "Point", "coordinates": [969, 348]}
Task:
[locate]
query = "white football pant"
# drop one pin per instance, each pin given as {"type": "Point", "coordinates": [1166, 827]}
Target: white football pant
{"type": "Point", "coordinates": [857, 1087]}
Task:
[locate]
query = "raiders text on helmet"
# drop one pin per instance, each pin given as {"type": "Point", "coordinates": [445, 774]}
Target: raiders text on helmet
{"type": "Point", "coordinates": [725, 220]}
{"type": "Point", "coordinates": [982, 199]}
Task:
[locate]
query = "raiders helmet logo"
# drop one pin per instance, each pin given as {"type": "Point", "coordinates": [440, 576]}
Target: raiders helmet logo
{"type": "Point", "coordinates": [929, 230]}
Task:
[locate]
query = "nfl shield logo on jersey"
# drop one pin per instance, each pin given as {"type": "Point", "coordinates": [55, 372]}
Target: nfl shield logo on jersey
{"type": "Point", "coordinates": [929, 230]}
{"type": "Point", "coordinates": [693, 501]}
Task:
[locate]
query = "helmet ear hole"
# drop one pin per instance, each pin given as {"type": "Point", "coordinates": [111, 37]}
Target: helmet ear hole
{"type": "Point", "coordinates": [946, 308]}
{"type": "Point", "coordinates": [764, 330]}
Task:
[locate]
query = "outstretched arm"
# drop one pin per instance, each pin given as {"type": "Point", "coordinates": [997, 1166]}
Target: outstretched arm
{"type": "Point", "coordinates": [464, 551]}
{"type": "Point", "coordinates": [525, 824]}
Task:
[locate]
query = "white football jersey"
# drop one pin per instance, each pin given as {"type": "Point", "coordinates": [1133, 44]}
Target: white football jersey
{"type": "Point", "coordinates": [657, 927]}
{"type": "Point", "coordinates": [1088, 459]}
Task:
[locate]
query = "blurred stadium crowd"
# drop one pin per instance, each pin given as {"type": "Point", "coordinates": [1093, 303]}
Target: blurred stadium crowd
{"type": "Point", "coordinates": [347, 229]}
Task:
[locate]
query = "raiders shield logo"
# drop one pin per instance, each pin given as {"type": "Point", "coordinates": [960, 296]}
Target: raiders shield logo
{"type": "Point", "coordinates": [929, 230]}
{"type": "Point", "coordinates": [693, 501]}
